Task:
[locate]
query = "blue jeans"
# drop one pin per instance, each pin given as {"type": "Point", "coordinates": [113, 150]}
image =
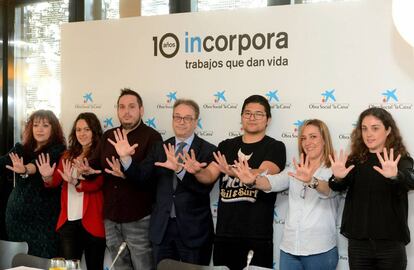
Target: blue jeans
{"type": "Point", "coordinates": [138, 254]}
{"type": "Point", "coordinates": [322, 261]}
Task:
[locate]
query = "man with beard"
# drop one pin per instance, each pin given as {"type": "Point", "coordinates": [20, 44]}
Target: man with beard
{"type": "Point", "coordinates": [127, 207]}
{"type": "Point", "coordinates": [244, 214]}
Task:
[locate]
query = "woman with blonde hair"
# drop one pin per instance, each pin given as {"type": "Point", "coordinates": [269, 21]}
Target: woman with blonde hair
{"type": "Point", "coordinates": [309, 236]}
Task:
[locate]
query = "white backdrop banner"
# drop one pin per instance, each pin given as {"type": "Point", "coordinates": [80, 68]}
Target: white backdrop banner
{"type": "Point", "coordinates": [326, 61]}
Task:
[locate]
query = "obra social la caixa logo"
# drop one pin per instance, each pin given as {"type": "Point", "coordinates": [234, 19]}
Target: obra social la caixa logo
{"type": "Point", "coordinates": [220, 102]}
{"type": "Point", "coordinates": [329, 102]}
{"type": "Point", "coordinates": [274, 100]}
{"type": "Point", "coordinates": [293, 134]}
{"type": "Point", "coordinates": [151, 122]}
{"type": "Point", "coordinates": [168, 45]}
{"type": "Point", "coordinates": [236, 133]}
{"type": "Point", "coordinates": [171, 97]}
{"type": "Point", "coordinates": [108, 123]}
{"type": "Point", "coordinates": [88, 102]}
{"type": "Point", "coordinates": [200, 131]}
{"type": "Point", "coordinates": [390, 101]}
{"type": "Point", "coordinates": [347, 135]}
{"type": "Point", "coordinates": [277, 219]}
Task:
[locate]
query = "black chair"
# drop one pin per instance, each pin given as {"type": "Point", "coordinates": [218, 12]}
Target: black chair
{"type": "Point", "coordinates": [30, 261]}
{"type": "Point", "coordinates": [169, 264]}
{"type": "Point", "coordinates": [7, 251]}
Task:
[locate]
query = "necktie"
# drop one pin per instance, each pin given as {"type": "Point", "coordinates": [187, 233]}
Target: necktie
{"type": "Point", "coordinates": [179, 150]}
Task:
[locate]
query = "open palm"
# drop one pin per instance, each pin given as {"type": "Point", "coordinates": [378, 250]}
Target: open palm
{"type": "Point", "coordinates": [43, 164]}
{"type": "Point", "coordinates": [338, 165]}
{"type": "Point", "coordinates": [389, 166]}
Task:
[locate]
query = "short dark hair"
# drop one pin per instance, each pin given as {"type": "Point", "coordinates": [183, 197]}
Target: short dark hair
{"type": "Point", "coordinates": [188, 102]}
{"type": "Point", "coordinates": [129, 91]}
{"type": "Point", "coordinates": [258, 99]}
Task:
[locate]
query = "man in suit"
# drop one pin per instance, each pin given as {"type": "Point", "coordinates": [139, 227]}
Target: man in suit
{"type": "Point", "coordinates": [181, 225]}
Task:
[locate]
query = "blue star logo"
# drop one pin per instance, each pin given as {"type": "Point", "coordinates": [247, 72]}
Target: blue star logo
{"type": "Point", "coordinates": [199, 124]}
{"type": "Point", "coordinates": [171, 96]}
{"type": "Point", "coordinates": [272, 95]}
{"type": "Point", "coordinates": [298, 124]}
{"type": "Point", "coordinates": [87, 97]}
{"type": "Point", "coordinates": [108, 122]}
{"type": "Point", "coordinates": [328, 95]}
{"type": "Point", "coordinates": [220, 96]}
{"type": "Point", "coordinates": [151, 122]}
{"type": "Point", "coordinates": [390, 94]}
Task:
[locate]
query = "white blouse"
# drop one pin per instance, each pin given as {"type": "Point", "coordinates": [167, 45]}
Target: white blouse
{"type": "Point", "coordinates": [310, 225]}
{"type": "Point", "coordinates": [75, 202]}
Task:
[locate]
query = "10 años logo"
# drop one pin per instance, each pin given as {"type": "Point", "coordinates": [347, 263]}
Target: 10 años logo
{"type": "Point", "coordinates": [168, 45]}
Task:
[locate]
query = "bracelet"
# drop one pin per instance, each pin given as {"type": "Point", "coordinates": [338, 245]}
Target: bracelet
{"type": "Point", "coordinates": [314, 183]}
{"type": "Point", "coordinates": [77, 183]}
{"type": "Point", "coordinates": [25, 174]}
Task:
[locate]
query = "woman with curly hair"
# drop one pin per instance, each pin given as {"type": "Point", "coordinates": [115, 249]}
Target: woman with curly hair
{"type": "Point", "coordinates": [80, 225]}
{"type": "Point", "coordinates": [32, 209]}
{"type": "Point", "coordinates": [377, 177]}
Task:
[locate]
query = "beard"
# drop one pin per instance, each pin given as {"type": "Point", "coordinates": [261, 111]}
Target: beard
{"type": "Point", "coordinates": [130, 126]}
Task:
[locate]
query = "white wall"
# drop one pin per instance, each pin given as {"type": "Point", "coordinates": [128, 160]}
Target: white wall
{"type": "Point", "coordinates": [349, 47]}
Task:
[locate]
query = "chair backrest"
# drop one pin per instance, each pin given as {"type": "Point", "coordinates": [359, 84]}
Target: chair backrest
{"type": "Point", "coordinates": [30, 261]}
{"type": "Point", "coordinates": [7, 251]}
{"type": "Point", "coordinates": [169, 264]}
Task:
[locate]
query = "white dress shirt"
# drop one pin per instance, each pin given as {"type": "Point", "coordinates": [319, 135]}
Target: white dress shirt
{"type": "Point", "coordinates": [310, 225]}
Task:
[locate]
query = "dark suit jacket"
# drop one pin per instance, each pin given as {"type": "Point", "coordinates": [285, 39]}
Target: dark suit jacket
{"type": "Point", "coordinates": [191, 198]}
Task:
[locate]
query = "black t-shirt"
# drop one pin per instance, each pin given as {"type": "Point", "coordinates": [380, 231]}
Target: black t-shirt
{"type": "Point", "coordinates": [247, 212]}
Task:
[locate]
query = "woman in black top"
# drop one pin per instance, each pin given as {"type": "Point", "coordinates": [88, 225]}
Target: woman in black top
{"type": "Point", "coordinates": [32, 209]}
{"type": "Point", "coordinates": [378, 175]}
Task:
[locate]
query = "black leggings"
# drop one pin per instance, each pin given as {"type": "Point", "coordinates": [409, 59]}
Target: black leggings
{"type": "Point", "coordinates": [74, 239]}
{"type": "Point", "coordinates": [376, 255]}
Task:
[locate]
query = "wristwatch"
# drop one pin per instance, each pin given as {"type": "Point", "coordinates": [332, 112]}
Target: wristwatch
{"type": "Point", "coordinates": [314, 183]}
{"type": "Point", "coordinates": [25, 174]}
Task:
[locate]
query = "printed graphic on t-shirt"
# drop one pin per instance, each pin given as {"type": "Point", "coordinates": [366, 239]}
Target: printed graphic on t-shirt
{"type": "Point", "coordinates": [232, 190]}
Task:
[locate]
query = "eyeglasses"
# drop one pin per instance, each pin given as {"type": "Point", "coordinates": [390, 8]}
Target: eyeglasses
{"type": "Point", "coordinates": [186, 119]}
{"type": "Point", "coordinates": [256, 115]}
{"type": "Point", "coordinates": [303, 192]}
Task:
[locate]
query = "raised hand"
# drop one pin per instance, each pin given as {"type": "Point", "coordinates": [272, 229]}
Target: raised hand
{"type": "Point", "coordinates": [389, 166]}
{"type": "Point", "coordinates": [338, 165]}
{"type": "Point", "coordinates": [303, 170]}
{"type": "Point", "coordinates": [67, 173]}
{"type": "Point", "coordinates": [172, 161]}
{"type": "Point", "coordinates": [221, 163]}
{"type": "Point", "coordinates": [190, 163]}
{"type": "Point", "coordinates": [115, 167]}
{"type": "Point", "coordinates": [121, 144]}
{"type": "Point", "coordinates": [82, 165]}
{"type": "Point", "coordinates": [243, 172]}
{"type": "Point", "coordinates": [18, 165]}
{"type": "Point", "coordinates": [43, 164]}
